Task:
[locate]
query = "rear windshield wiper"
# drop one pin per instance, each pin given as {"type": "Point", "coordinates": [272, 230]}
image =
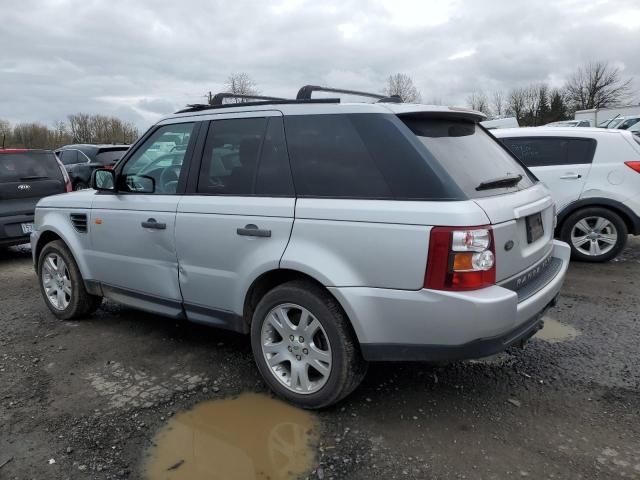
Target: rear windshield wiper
{"type": "Point", "coordinates": [32, 177]}
{"type": "Point", "coordinates": [504, 182]}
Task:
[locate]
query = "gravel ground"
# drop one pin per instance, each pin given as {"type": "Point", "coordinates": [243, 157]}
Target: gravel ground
{"type": "Point", "coordinates": [90, 395]}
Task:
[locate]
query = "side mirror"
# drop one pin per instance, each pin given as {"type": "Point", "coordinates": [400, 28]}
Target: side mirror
{"type": "Point", "coordinates": [103, 180]}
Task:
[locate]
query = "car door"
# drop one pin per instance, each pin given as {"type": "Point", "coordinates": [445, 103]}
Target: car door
{"type": "Point", "coordinates": [236, 218]}
{"type": "Point", "coordinates": [561, 163]}
{"type": "Point", "coordinates": [132, 230]}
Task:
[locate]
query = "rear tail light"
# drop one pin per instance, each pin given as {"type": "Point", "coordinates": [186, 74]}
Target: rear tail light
{"type": "Point", "coordinates": [460, 258]}
{"type": "Point", "coordinates": [633, 165]}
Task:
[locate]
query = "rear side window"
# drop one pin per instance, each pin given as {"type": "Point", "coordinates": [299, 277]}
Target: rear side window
{"type": "Point", "coordinates": [70, 157]}
{"type": "Point", "coordinates": [365, 156]}
{"type": "Point", "coordinates": [27, 166]}
{"type": "Point", "coordinates": [469, 155]}
{"type": "Point", "coordinates": [109, 157]}
{"type": "Point", "coordinates": [549, 151]}
{"type": "Point", "coordinates": [245, 156]}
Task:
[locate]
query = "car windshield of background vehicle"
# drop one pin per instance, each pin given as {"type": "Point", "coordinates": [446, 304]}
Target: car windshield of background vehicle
{"type": "Point", "coordinates": [24, 166]}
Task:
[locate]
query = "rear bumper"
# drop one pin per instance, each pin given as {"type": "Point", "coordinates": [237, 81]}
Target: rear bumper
{"type": "Point", "coordinates": [11, 229]}
{"type": "Point", "coordinates": [430, 325]}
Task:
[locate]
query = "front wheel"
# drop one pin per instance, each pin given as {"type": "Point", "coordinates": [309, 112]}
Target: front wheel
{"type": "Point", "coordinates": [595, 234]}
{"type": "Point", "coordinates": [61, 283]}
{"type": "Point", "coordinates": [80, 186]}
{"type": "Point", "coordinates": [304, 347]}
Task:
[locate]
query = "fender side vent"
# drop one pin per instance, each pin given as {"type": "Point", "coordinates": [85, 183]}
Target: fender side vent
{"type": "Point", "coordinates": [79, 221]}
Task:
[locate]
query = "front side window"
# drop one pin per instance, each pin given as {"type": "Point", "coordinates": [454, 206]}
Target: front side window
{"type": "Point", "coordinates": [156, 165]}
{"type": "Point", "coordinates": [245, 156]}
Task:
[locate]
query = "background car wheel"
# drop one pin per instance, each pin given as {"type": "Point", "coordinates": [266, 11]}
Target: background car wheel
{"type": "Point", "coordinates": [61, 283]}
{"type": "Point", "coordinates": [80, 186]}
{"type": "Point", "coordinates": [595, 234]}
{"type": "Point", "coordinates": [304, 346]}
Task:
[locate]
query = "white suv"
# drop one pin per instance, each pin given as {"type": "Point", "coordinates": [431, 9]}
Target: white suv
{"type": "Point", "coordinates": [334, 234]}
{"type": "Point", "coordinates": [594, 176]}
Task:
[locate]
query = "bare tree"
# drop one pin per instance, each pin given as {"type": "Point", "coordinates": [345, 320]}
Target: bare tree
{"type": "Point", "coordinates": [241, 84]}
{"type": "Point", "coordinates": [402, 85]}
{"type": "Point", "coordinates": [516, 103]}
{"type": "Point", "coordinates": [5, 133]}
{"type": "Point", "coordinates": [597, 85]}
{"type": "Point", "coordinates": [477, 100]}
{"type": "Point", "coordinates": [85, 128]}
{"type": "Point", "coordinates": [498, 103]}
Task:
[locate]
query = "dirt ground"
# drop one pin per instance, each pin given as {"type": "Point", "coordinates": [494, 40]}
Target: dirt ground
{"type": "Point", "coordinates": [91, 395]}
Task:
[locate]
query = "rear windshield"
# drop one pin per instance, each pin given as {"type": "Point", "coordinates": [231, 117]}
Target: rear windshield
{"type": "Point", "coordinates": [26, 166]}
{"type": "Point", "coordinates": [108, 157]}
{"type": "Point", "coordinates": [470, 156]}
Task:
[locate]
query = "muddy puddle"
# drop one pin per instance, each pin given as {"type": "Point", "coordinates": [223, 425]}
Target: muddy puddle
{"type": "Point", "coordinates": [245, 438]}
{"type": "Point", "coordinates": [555, 332]}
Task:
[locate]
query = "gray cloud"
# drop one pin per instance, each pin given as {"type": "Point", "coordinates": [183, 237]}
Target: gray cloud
{"type": "Point", "coordinates": [145, 58]}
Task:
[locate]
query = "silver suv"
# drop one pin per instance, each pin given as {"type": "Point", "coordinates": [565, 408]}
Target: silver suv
{"type": "Point", "coordinates": [333, 233]}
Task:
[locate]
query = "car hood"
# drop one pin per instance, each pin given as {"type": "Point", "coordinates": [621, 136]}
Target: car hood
{"type": "Point", "coordinates": [78, 199]}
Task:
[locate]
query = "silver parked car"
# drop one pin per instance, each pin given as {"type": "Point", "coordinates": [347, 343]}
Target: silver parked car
{"type": "Point", "coordinates": [334, 234]}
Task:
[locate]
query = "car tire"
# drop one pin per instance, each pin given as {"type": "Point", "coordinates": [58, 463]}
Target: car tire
{"type": "Point", "coordinates": [80, 186]}
{"type": "Point", "coordinates": [61, 283]}
{"type": "Point", "coordinates": [595, 234]}
{"type": "Point", "coordinates": [332, 336]}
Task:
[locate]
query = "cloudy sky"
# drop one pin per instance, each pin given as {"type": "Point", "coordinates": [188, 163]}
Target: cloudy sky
{"type": "Point", "coordinates": [141, 59]}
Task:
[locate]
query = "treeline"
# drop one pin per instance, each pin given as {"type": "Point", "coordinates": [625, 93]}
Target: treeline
{"type": "Point", "coordinates": [594, 85]}
{"type": "Point", "coordinates": [78, 128]}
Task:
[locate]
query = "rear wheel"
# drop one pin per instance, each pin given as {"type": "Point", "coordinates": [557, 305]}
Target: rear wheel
{"type": "Point", "coordinates": [595, 234]}
{"type": "Point", "coordinates": [304, 347]}
{"type": "Point", "coordinates": [80, 186]}
{"type": "Point", "coordinates": [61, 283]}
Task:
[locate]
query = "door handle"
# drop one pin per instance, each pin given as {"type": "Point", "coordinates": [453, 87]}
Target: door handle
{"type": "Point", "coordinates": [571, 176]}
{"type": "Point", "coordinates": [152, 223]}
{"type": "Point", "coordinates": [252, 230]}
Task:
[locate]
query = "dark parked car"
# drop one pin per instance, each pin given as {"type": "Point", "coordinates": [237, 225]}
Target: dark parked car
{"type": "Point", "coordinates": [81, 160]}
{"type": "Point", "coordinates": [25, 177]}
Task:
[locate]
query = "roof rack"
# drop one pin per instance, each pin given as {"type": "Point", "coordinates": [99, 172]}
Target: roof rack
{"type": "Point", "coordinates": [305, 94]}
{"type": "Point", "coordinates": [218, 98]}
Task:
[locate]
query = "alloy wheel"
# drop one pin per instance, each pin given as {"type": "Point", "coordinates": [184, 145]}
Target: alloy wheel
{"type": "Point", "coordinates": [296, 348]}
{"type": "Point", "coordinates": [594, 236]}
{"type": "Point", "coordinates": [56, 281]}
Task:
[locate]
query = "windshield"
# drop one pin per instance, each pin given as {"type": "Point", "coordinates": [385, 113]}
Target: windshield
{"type": "Point", "coordinates": [470, 156]}
{"type": "Point", "coordinates": [25, 166]}
{"type": "Point", "coordinates": [615, 122]}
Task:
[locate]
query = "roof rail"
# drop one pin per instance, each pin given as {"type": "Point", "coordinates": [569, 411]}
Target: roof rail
{"type": "Point", "coordinates": [305, 93]}
{"type": "Point", "coordinates": [205, 106]}
{"type": "Point", "coordinates": [218, 98]}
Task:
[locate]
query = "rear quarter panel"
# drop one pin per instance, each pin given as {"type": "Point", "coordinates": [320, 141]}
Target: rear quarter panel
{"type": "Point", "coordinates": [370, 243]}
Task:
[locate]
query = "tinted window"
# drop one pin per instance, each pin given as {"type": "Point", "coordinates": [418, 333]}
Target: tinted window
{"type": "Point", "coordinates": [157, 158]}
{"type": "Point", "coordinates": [108, 157]}
{"type": "Point", "coordinates": [469, 155]}
{"type": "Point", "coordinates": [245, 156]}
{"type": "Point", "coordinates": [69, 157]}
{"type": "Point", "coordinates": [546, 151]}
{"type": "Point", "coordinates": [25, 166]}
{"type": "Point", "coordinates": [629, 122]}
{"type": "Point", "coordinates": [274, 173]}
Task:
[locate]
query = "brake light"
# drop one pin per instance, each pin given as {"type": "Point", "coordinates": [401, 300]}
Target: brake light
{"type": "Point", "coordinates": [460, 258]}
{"type": "Point", "coordinates": [633, 165]}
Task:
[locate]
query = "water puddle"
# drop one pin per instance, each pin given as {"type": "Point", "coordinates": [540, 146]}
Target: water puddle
{"type": "Point", "coordinates": [556, 332]}
{"type": "Point", "coordinates": [251, 437]}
